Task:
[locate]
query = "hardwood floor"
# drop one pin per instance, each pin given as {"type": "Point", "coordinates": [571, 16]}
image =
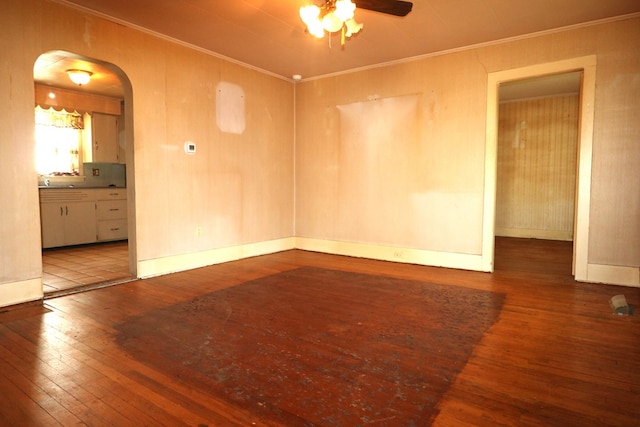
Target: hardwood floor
{"type": "Point", "coordinates": [556, 356]}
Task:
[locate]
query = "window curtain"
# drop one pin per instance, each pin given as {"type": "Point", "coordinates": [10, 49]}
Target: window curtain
{"type": "Point", "coordinates": [59, 119]}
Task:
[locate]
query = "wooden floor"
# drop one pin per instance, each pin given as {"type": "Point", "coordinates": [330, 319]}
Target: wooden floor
{"type": "Point", "coordinates": [556, 356]}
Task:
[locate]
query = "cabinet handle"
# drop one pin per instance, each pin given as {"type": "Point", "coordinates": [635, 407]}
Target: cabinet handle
{"type": "Point", "coordinates": [66, 208]}
{"type": "Point", "coordinates": [114, 209]}
{"type": "Point", "coordinates": [61, 212]}
{"type": "Point", "coordinates": [115, 229]}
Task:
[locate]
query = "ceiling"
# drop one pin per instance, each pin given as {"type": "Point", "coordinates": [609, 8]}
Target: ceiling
{"type": "Point", "coordinates": [51, 69]}
{"type": "Point", "coordinates": [555, 84]}
{"type": "Point", "coordinates": [269, 34]}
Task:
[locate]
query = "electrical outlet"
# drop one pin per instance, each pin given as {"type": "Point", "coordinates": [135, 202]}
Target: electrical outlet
{"type": "Point", "coordinates": [198, 231]}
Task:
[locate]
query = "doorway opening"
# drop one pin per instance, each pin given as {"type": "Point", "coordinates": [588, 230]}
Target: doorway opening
{"type": "Point", "coordinates": [85, 180]}
{"type": "Point", "coordinates": [538, 122]}
{"type": "Point", "coordinates": [574, 221]}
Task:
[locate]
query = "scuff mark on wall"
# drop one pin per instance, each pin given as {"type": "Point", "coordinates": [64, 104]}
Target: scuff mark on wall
{"type": "Point", "coordinates": [230, 108]}
{"type": "Point", "coordinates": [378, 142]}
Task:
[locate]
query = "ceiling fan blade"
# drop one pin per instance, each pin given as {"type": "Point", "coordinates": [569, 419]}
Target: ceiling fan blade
{"type": "Point", "coordinates": [391, 7]}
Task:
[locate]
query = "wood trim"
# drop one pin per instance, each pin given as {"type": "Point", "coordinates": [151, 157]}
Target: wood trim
{"type": "Point", "coordinates": [21, 292]}
{"type": "Point", "coordinates": [613, 274]}
{"type": "Point", "coordinates": [534, 233]}
{"type": "Point", "coordinates": [176, 263]}
{"type": "Point", "coordinates": [391, 253]}
{"type": "Point", "coordinates": [585, 159]}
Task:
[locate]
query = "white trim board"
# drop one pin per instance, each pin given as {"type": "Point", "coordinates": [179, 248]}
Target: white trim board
{"type": "Point", "coordinates": [586, 64]}
{"type": "Point", "coordinates": [183, 262]}
{"type": "Point", "coordinates": [391, 253]}
{"type": "Point", "coordinates": [613, 274]}
{"type": "Point", "coordinates": [21, 292]}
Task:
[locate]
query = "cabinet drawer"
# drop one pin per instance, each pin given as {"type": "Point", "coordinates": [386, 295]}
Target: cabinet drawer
{"type": "Point", "coordinates": [112, 230]}
{"type": "Point", "coordinates": [110, 193]}
{"type": "Point", "coordinates": [112, 209]}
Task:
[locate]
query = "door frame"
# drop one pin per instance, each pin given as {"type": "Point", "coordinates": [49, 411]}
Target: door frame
{"type": "Point", "coordinates": [586, 64]}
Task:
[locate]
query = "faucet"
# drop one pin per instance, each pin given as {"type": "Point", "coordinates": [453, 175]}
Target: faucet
{"type": "Point", "coordinates": [46, 182]}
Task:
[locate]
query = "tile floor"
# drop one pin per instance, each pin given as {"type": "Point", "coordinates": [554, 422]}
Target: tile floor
{"type": "Point", "coordinates": [79, 266]}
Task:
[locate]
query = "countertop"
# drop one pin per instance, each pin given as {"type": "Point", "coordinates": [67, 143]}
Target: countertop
{"type": "Point", "coordinates": [75, 187]}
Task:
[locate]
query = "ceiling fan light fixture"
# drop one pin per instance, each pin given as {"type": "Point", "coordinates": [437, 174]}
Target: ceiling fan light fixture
{"type": "Point", "coordinates": [79, 77]}
{"type": "Point", "coordinates": [333, 16]}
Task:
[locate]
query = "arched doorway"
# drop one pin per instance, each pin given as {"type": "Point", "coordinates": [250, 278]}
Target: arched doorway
{"type": "Point", "coordinates": [87, 248]}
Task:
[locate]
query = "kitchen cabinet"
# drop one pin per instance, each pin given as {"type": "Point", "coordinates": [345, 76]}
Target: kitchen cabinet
{"type": "Point", "coordinates": [104, 137]}
{"type": "Point", "coordinates": [68, 222]}
{"type": "Point", "coordinates": [80, 216]}
{"type": "Point", "coordinates": [52, 224]}
{"type": "Point", "coordinates": [111, 213]}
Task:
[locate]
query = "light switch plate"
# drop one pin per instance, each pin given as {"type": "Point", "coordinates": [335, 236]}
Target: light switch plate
{"type": "Point", "coordinates": [190, 147]}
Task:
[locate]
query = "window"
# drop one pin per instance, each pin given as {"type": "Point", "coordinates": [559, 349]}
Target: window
{"type": "Point", "coordinates": [59, 141]}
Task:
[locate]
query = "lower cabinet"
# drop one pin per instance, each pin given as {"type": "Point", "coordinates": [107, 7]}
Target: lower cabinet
{"type": "Point", "coordinates": [74, 217]}
{"type": "Point", "coordinates": [112, 219]}
{"type": "Point", "coordinates": [68, 223]}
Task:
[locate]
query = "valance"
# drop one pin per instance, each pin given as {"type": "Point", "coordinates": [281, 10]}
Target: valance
{"type": "Point", "coordinates": [60, 119]}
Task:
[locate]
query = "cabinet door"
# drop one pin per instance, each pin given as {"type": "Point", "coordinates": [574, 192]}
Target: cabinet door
{"type": "Point", "coordinates": [52, 220]}
{"type": "Point", "coordinates": [80, 223]}
{"type": "Point", "coordinates": [104, 133]}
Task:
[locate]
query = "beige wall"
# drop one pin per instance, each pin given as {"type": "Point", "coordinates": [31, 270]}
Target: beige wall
{"type": "Point", "coordinates": [237, 189]}
{"type": "Point", "coordinates": [434, 195]}
{"type": "Point", "coordinates": [446, 164]}
{"type": "Point", "coordinates": [537, 163]}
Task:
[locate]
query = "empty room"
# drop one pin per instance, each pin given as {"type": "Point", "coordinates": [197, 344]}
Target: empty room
{"type": "Point", "coordinates": [330, 213]}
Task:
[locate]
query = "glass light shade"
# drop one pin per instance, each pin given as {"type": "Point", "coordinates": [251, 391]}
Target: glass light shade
{"type": "Point", "coordinates": [79, 77]}
{"type": "Point", "coordinates": [344, 9]}
{"type": "Point", "coordinates": [352, 27]}
{"type": "Point", "coordinates": [309, 14]}
{"type": "Point", "coordinates": [331, 22]}
{"type": "Point", "coordinates": [315, 29]}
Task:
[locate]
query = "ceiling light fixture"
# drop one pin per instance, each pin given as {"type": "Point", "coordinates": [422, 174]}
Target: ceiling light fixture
{"type": "Point", "coordinates": [332, 16]}
{"type": "Point", "coordinates": [79, 77]}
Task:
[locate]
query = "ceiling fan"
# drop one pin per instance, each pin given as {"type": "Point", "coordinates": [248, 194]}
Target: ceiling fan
{"type": "Point", "coordinates": [391, 7]}
{"type": "Point", "coordinates": [338, 15]}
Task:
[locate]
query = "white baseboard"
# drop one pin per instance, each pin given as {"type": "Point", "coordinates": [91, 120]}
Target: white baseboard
{"type": "Point", "coordinates": [527, 233]}
{"type": "Point", "coordinates": [19, 292]}
{"type": "Point", "coordinates": [613, 275]}
{"type": "Point", "coordinates": [395, 254]}
{"type": "Point", "coordinates": [173, 264]}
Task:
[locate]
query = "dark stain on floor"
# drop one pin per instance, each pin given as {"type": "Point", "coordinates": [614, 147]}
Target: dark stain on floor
{"type": "Point", "coordinates": [319, 347]}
